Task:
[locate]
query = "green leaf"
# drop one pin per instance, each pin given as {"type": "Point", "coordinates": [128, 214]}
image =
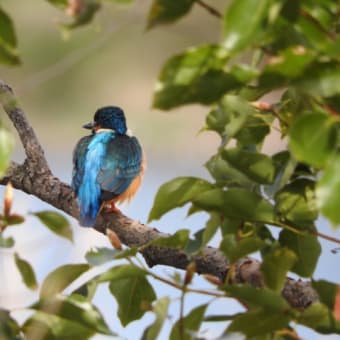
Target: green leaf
{"type": "Point", "coordinates": [307, 249]}
{"type": "Point", "coordinates": [6, 242]}
{"type": "Point", "coordinates": [62, 4]}
{"type": "Point", "coordinates": [179, 240]}
{"type": "Point", "coordinates": [56, 222]}
{"type": "Point", "coordinates": [258, 297]}
{"type": "Point", "coordinates": [275, 266]}
{"type": "Point", "coordinates": [134, 296]}
{"type": "Point", "coordinates": [195, 76]}
{"type": "Point", "coordinates": [258, 322]}
{"type": "Point", "coordinates": [85, 15]}
{"type": "Point", "coordinates": [313, 138]}
{"type": "Point", "coordinates": [327, 191]}
{"type": "Point", "coordinates": [314, 315]}
{"type": "Point", "coordinates": [6, 147]}
{"type": "Point", "coordinates": [236, 203]}
{"type": "Point", "coordinates": [122, 272]}
{"type": "Point", "coordinates": [235, 250]}
{"type": "Point", "coordinates": [191, 323]}
{"type": "Point", "coordinates": [243, 22]}
{"type": "Point", "coordinates": [256, 166]}
{"type": "Point", "coordinates": [168, 11]}
{"type": "Point", "coordinates": [75, 308]}
{"type": "Point", "coordinates": [160, 309]}
{"type": "Point", "coordinates": [44, 326]}
{"type": "Point", "coordinates": [7, 31]}
{"type": "Point", "coordinates": [327, 292]}
{"type": "Point", "coordinates": [98, 256]}
{"type": "Point", "coordinates": [56, 281]}
{"type": "Point", "coordinates": [26, 272]}
{"type": "Point", "coordinates": [176, 193]}
{"type": "Point", "coordinates": [9, 329]}
{"type": "Point", "coordinates": [296, 203]}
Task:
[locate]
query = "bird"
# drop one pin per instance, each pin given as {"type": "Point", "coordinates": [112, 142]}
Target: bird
{"type": "Point", "coordinates": [108, 165]}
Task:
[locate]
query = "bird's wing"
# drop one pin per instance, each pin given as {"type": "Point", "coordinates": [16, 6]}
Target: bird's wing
{"type": "Point", "coordinates": [121, 164]}
{"type": "Point", "coordinates": [79, 156]}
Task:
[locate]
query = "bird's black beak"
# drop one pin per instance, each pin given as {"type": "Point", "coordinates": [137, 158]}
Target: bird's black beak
{"type": "Point", "coordinates": [89, 126]}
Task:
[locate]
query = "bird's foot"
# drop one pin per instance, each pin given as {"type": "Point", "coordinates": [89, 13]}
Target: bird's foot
{"type": "Point", "coordinates": [111, 208]}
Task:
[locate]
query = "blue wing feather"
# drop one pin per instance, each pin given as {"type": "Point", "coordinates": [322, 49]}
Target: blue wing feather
{"type": "Point", "coordinates": [105, 164]}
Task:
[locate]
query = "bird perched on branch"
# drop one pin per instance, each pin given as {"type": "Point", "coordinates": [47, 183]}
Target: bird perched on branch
{"type": "Point", "coordinates": [107, 165]}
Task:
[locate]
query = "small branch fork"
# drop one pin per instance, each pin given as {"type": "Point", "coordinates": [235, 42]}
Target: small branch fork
{"type": "Point", "coordinates": [35, 177]}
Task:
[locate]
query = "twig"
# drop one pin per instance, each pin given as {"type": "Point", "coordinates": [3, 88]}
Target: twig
{"type": "Point", "coordinates": [209, 8]}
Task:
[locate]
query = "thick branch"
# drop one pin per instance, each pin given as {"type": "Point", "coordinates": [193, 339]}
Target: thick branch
{"type": "Point", "coordinates": [34, 177]}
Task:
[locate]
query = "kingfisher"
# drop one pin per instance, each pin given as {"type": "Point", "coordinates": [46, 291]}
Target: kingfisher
{"type": "Point", "coordinates": [108, 165]}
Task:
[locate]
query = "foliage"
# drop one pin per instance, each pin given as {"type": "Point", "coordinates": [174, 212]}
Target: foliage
{"type": "Point", "coordinates": [267, 45]}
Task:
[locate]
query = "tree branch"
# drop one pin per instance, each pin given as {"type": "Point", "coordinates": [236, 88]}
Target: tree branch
{"type": "Point", "coordinates": [35, 178]}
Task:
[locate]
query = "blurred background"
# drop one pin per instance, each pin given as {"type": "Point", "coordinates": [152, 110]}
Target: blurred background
{"type": "Point", "coordinates": [63, 79]}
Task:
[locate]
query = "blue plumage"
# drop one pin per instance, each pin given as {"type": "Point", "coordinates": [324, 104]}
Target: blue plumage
{"type": "Point", "coordinates": [107, 164]}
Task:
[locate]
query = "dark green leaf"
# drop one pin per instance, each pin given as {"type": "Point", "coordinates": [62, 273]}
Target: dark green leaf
{"type": "Point", "coordinates": [6, 242]}
{"type": "Point", "coordinates": [160, 309]}
{"type": "Point", "coordinates": [258, 297]}
{"type": "Point", "coordinates": [56, 222]}
{"type": "Point", "coordinates": [236, 203]}
{"type": "Point", "coordinates": [243, 22]}
{"type": "Point", "coordinates": [307, 249]}
{"type": "Point", "coordinates": [191, 323]}
{"type": "Point", "coordinates": [56, 281]}
{"type": "Point", "coordinates": [167, 11]}
{"type": "Point", "coordinates": [275, 266]}
{"type": "Point", "coordinates": [256, 166]}
{"type": "Point", "coordinates": [326, 291]}
{"type": "Point", "coordinates": [176, 193]}
{"type": "Point", "coordinates": [313, 138]}
{"type": "Point", "coordinates": [44, 326]}
{"type": "Point", "coordinates": [235, 250]}
{"type": "Point", "coordinates": [14, 219]}
{"type": "Point", "coordinates": [327, 191]}
{"type": "Point", "coordinates": [296, 203]}
{"type": "Point", "coordinates": [77, 309]}
{"type": "Point", "coordinates": [9, 329]}
{"type": "Point", "coordinates": [122, 272]}
{"type": "Point", "coordinates": [6, 147]}
{"type": "Point", "coordinates": [178, 240]}
{"type": "Point", "coordinates": [26, 272]}
{"type": "Point", "coordinates": [196, 76]}
{"type": "Point", "coordinates": [258, 322]}
{"type": "Point", "coordinates": [134, 296]}
{"type": "Point", "coordinates": [7, 32]}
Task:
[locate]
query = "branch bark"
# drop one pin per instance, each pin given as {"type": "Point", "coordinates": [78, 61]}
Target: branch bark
{"type": "Point", "coordinates": [36, 178]}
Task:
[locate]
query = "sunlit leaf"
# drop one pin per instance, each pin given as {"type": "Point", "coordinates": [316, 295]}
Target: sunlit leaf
{"type": "Point", "coordinates": [313, 138]}
{"type": "Point", "coordinates": [175, 194]}
{"type": "Point", "coordinates": [6, 147]}
{"type": "Point", "coordinates": [327, 191]}
{"type": "Point", "coordinates": [134, 296]}
{"type": "Point", "coordinates": [314, 315]}
{"type": "Point", "coordinates": [307, 249]}
{"type": "Point", "coordinates": [191, 323]}
{"type": "Point", "coordinates": [178, 240]}
{"type": "Point", "coordinates": [77, 309]}
{"type": "Point", "coordinates": [275, 266]}
{"type": "Point", "coordinates": [56, 281]}
{"type": "Point", "coordinates": [26, 272]}
{"type": "Point", "coordinates": [160, 309]}
{"type": "Point", "coordinates": [167, 11]}
{"type": "Point", "coordinates": [243, 21]}
{"type": "Point", "coordinates": [56, 222]}
{"type": "Point", "coordinates": [122, 272]}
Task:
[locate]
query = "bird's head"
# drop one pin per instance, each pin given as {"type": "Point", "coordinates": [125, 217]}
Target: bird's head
{"type": "Point", "coordinates": [108, 117]}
